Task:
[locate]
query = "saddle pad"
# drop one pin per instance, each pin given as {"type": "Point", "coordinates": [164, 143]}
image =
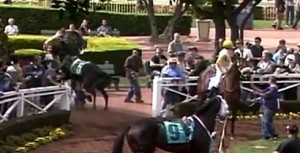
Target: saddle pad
{"type": "Point", "coordinates": [76, 67]}
{"type": "Point", "coordinates": [176, 133]}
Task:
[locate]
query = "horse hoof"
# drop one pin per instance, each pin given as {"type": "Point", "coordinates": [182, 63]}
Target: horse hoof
{"type": "Point", "coordinates": [231, 138]}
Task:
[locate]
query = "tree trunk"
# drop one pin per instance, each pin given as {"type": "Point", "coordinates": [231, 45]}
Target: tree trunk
{"type": "Point", "coordinates": [246, 18]}
{"type": "Point", "coordinates": [219, 21]}
{"type": "Point", "coordinates": [151, 18]}
{"type": "Point", "coordinates": [178, 12]}
{"type": "Point", "coordinates": [231, 20]}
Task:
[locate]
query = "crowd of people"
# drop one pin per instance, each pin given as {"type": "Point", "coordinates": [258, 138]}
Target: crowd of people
{"type": "Point", "coordinates": [104, 30]}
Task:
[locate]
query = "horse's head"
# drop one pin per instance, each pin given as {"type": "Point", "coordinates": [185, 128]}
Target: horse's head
{"type": "Point", "coordinates": [214, 107]}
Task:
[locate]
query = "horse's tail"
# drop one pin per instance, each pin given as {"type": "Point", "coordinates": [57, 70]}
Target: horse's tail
{"type": "Point", "coordinates": [118, 145]}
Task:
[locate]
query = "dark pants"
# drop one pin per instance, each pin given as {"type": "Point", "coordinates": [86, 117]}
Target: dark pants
{"type": "Point", "coordinates": [134, 90]}
{"type": "Point", "coordinates": [289, 15]}
{"type": "Point", "coordinates": [297, 19]}
{"type": "Point", "coordinates": [268, 130]}
{"type": "Point", "coordinates": [170, 97]}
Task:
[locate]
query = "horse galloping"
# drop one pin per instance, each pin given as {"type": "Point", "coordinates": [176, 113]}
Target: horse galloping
{"type": "Point", "coordinates": [175, 135]}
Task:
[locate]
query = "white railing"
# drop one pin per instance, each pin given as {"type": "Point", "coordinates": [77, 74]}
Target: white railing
{"type": "Point", "coordinates": [160, 84]}
{"type": "Point", "coordinates": [21, 101]}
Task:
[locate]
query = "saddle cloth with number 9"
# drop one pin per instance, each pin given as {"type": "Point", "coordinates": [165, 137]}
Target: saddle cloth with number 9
{"type": "Point", "coordinates": [178, 132]}
{"type": "Point", "coordinates": [77, 65]}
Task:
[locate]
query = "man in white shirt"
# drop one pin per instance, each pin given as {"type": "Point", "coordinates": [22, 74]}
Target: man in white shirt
{"type": "Point", "coordinates": [11, 28]}
{"type": "Point", "coordinates": [243, 52]}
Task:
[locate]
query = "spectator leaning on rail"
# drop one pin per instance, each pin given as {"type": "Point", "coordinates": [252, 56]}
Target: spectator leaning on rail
{"type": "Point", "coordinates": [265, 65]}
{"type": "Point", "coordinates": [292, 65]}
{"type": "Point", "coordinates": [133, 67]}
{"type": "Point", "coordinates": [222, 65]}
{"type": "Point", "coordinates": [269, 108]}
{"type": "Point", "coordinates": [175, 45]}
{"type": "Point", "coordinates": [292, 144]}
{"type": "Point", "coordinates": [172, 71]}
{"type": "Point", "coordinates": [49, 78]}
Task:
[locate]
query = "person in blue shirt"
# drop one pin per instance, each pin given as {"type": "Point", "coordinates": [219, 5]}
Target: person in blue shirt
{"type": "Point", "coordinates": [172, 70]}
{"type": "Point", "coordinates": [270, 106]}
{"type": "Point", "coordinates": [278, 56]}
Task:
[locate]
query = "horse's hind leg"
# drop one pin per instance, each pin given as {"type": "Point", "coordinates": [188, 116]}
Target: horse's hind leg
{"type": "Point", "coordinates": [105, 95]}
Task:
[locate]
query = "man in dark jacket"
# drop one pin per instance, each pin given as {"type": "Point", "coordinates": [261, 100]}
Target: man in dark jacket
{"type": "Point", "coordinates": [33, 73]}
{"type": "Point", "coordinates": [292, 144]}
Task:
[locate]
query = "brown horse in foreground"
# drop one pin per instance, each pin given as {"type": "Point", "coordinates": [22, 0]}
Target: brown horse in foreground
{"type": "Point", "coordinates": [229, 88]}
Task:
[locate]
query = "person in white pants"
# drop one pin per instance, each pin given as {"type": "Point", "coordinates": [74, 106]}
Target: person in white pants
{"type": "Point", "coordinates": [222, 65]}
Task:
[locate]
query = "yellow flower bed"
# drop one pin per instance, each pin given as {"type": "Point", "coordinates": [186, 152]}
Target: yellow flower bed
{"type": "Point", "coordinates": [34, 139]}
{"type": "Point", "coordinates": [278, 116]}
{"type": "Point", "coordinates": [54, 135]}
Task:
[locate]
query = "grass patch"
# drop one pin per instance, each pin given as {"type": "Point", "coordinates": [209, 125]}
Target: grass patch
{"type": "Point", "coordinates": [28, 52]}
{"type": "Point", "coordinates": [258, 24]}
{"type": "Point", "coordinates": [97, 44]}
{"type": "Point", "coordinates": [109, 44]}
{"type": "Point", "coordinates": [258, 146]}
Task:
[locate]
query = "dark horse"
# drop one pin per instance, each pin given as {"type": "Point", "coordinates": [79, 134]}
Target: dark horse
{"type": "Point", "coordinates": [91, 78]}
{"type": "Point", "coordinates": [145, 135]}
{"type": "Point", "coordinates": [230, 88]}
{"type": "Point", "coordinates": [65, 51]}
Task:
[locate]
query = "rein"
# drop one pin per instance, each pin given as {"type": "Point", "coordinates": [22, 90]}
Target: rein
{"type": "Point", "coordinates": [221, 144]}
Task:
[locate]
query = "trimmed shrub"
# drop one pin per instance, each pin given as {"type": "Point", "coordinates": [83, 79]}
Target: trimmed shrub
{"type": "Point", "coordinates": [22, 125]}
{"type": "Point", "coordinates": [116, 57]}
{"type": "Point", "coordinates": [258, 13]}
{"type": "Point", "coordinates": [28, 52]}
{"type": "Point", "coordinates": [33, 20]}
{"type": "Point", "coordinates": [94, 43]}
{"type": "Point", "coordinates": [99, 49]}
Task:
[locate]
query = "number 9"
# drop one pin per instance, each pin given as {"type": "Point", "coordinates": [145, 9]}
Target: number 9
{"type": "Point", "coordinates": [174, 131]}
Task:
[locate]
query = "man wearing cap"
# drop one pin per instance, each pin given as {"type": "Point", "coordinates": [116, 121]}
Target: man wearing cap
{"type": "Point", "coordinates": [292, 144]}
{"type": "Point", "coordinates": [292, 65]}
{"type": "Point", "coordinates": [172, 71]}
{"type": "Point", "coordinates": [223, 64]}
{"type": "Point", "coordinates": [175, 45]}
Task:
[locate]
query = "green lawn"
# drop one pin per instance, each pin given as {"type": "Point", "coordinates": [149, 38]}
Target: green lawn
{"type": "Point", "coordinates": [258, 146]}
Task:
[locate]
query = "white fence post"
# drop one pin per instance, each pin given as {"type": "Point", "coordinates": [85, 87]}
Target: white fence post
{"type": "Point", "coordinates": [66, 99]}
{"type": "Point", "coordinates": [156, 96]}
{"type": "Point", "coordinates": [21, 104]}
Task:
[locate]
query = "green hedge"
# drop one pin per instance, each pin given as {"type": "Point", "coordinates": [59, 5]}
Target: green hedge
{"type": "Point", "coordinates": [114, 50]}
{"type": "Point", "coordinates": [185, 109]}
{"type": "Point", "coordinates": [22, 125]}
{"type": "Point", "coordinates": [33, 20]}
{"type": "Point", "coordinates": [28, 52]}
{"type": "Point", "coordinates": [98, 44]}
{"type": "Point", "coordinates": [258, 13]}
